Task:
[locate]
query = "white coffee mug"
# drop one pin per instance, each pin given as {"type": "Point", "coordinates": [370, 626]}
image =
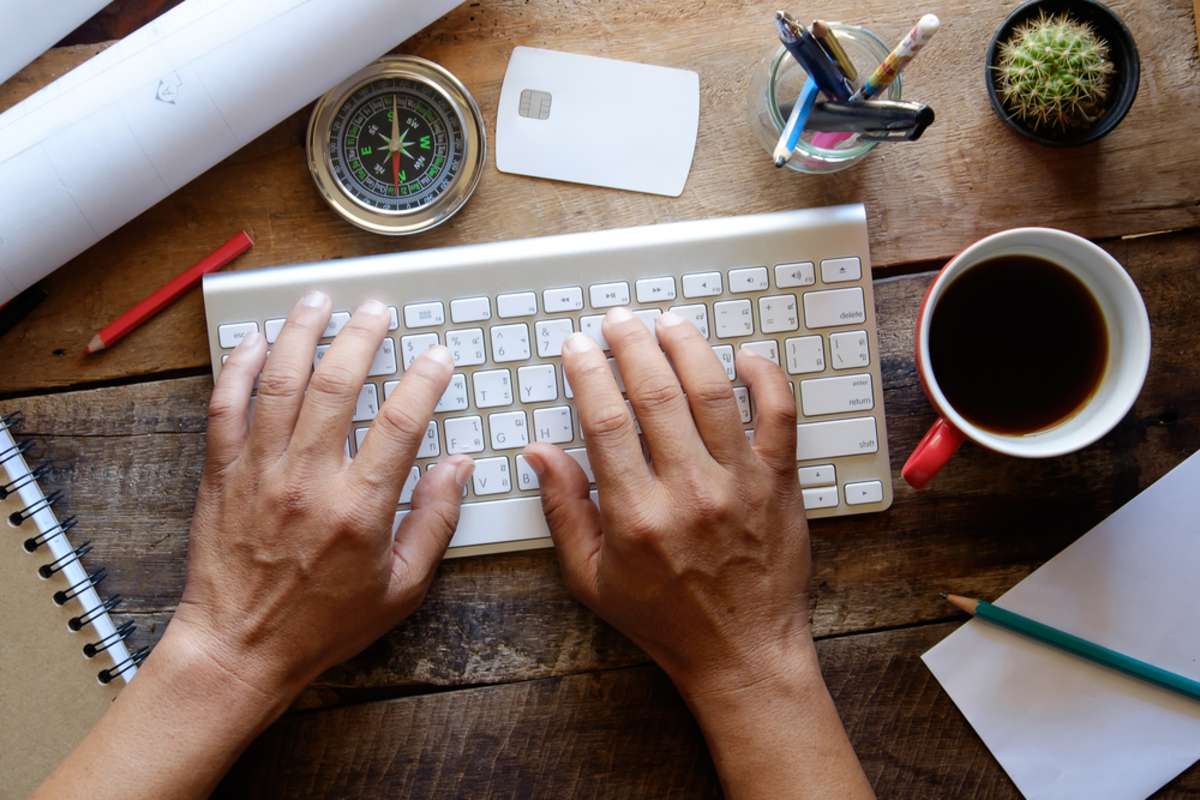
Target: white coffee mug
{"type": "Point", "coordinates": [1125, 320]}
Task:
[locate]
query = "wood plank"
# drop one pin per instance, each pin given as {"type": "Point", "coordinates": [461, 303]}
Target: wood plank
{"type": "Point", "coordinates": [621, 734]}
{"type": "Point", "coordinates": [129, 460]}
{"type": "Point", "coordinates": [968, 176]}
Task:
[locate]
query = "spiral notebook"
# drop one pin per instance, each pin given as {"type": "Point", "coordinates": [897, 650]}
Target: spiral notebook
{"type": "Point", "coordinates": [62, 659]}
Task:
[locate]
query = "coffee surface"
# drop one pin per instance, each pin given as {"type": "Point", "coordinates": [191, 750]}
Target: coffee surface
{"type": "Point", "coordinates": [1017, 344]}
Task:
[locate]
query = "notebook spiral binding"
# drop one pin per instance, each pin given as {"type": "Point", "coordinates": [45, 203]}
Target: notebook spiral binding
{"type": "Point", "coordinates": [18, 474]}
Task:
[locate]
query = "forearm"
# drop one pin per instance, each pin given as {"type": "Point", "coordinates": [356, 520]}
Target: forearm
{"type": "Point", "coordinates": [779, 736]}
{"type": "Point", "coordinates": [172, 733]}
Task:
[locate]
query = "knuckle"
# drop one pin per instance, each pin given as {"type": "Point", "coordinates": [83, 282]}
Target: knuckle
{"type": "Point", "coordinates": [275, 383]}
{"type": "Point", "coordinates": [289, 498]}
{"type": "Point", "coordinates": [652, 395]}
{"type": "Point", "coordinates": [333, 378]}
{"type": "Point", "coordinates": [712, 393]}
{"type": "Point", "coordinates": [400, 423]}
{"type": "Point", "coordinates": [610, 421]}
{"type": "Point", "coordinates": [221, 408]}
{"type": "Point", "coordinates": [778, 411]}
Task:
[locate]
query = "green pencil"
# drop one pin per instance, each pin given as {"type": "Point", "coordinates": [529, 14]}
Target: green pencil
{"type": "Point", "coordinates": [1073, 644]}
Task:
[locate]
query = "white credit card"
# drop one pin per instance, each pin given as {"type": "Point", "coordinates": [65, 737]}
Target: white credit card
{"type": "Point", "coordinates": [598, 121]}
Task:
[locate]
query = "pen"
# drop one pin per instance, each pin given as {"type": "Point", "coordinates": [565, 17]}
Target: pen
{"type": "Point", "coordinates": [899, 58]}
{"type": "Point", "coordinates": [796, 122]}
{"type": "Point", "coordinates": [809, 54]}
{"type": "Point", "coordinates": [828, 40]}
{"type": "Point", "coordinates": [873, 118]}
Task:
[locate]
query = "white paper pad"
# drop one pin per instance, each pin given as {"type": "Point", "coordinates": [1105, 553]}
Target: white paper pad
{"type": "Point", "coordinates": [597, 121]}
{"type": "Point", "coordinates": [29, 28]}
{"type": "Point", "coordinates": [87, 153]}
{"type": "Point", "coordinates": [1062, 726]}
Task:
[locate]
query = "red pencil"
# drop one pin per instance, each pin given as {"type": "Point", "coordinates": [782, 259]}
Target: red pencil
{"type": "Point", "coordinates": [168, 294]}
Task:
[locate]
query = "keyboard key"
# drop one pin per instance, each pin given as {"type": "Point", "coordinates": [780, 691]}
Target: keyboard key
{"type": "Point", "coordinates": [788, 276]}
{"type": "Point", "coordinates": [863, 492]}
{"type": "Point", "coordinates": [836, 395]}
{"type": "Point", "coordinates": [616, 371]}
{"type": "Point", "coordinates": [464, 435]}
{"type": "Point", "coordinates": [733, 318]}
{"type": "Point", "coordinates": [697, 315]}
{"type": "Point", "coordinates": [805, 354]}
{"type": "Point", "coordinates": [466, 347]}
{"type": "Point", "coordinates": [569, 299]}
{"type": "Point", "coordinates": [367, 405]}
{"type": "Point", "coordinates": [550, 336]}
{"type": "Point", "coordinates": [553, 425]}
{"type": "Point", "coordinates": [493, 388]}
{"type": "Point", "coordinates": [742, 395]}
{"type": "Point", "coordinates": [751, 279]}
{"type": "Point", "coordinates": [649, 318]}
{"type": "Point", "coordinates": [538, 383]}
{"type": "Point", "coordinates": [834, 307]}
{"type": "Point", "coordinates": [455, 396]}
{"type": "Point", "coordinates": [491, 476]}
{"type": "Point", "coordinates": [593, 327]}
{"type": "Point", "coordinates": [837, 270]}
{"type": "Point", "coordinates": [384, 362]}
{"type": "Point", "coordinates": [424, 315]}
{"type": "Point", "coordinates": [581, 457]}
{"type": "Point", "coordinates": [431, 445]}
{"type": "Point", "coordinates": [413, 346]}
{"type": "Point", "coordinates": [567, 386]}
{"type": "Point", "coordinates": [410, 485]}
{"type": "Point", "coordinates": [702, 284]}
{"type": "Point", "coordinates": [655, 290]}
{"type": "Point", "coordinates": [778, 313]}
{"type": "Point", "coordinates": [849, 350]}
{"type": "Point", "coordinates": [825, 497]}
{"type": "Point", "coordinates": [839, 437]}
{"type": "Point", "coordinates": [272, 329]}
{"type": "Point", "coordinates": [393, 318]}
{"type": "Point", "coordinates": [766, 349]}
{"type": "Point", "coordinates": [724, 354]}
{"type": "Point", "coordinates": [233, 333]}
{"type": "Point", "coordinates": [510, 342]}
{"type": "Point", "coordinates": [527, 479]}
{"type": "Point", "coordinates": [821, 475]}
{"type": "Point", "coordinates": [606, 295]}
{"type": "Point", "coordinates": [518, 304]}
{"type": "Point", "coordinates": [470, 309]}
{"type": "Point", "coordinates": [509, 429]}
{"type": "Point", "coordinates": [337, 321]}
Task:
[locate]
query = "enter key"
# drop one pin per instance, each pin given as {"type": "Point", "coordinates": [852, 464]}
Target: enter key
{"type": "Point", "coordinates": [836, 395]}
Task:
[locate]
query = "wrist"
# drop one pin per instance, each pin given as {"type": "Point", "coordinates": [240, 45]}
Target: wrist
{"type": "Point", "coordinates": [785, 664]}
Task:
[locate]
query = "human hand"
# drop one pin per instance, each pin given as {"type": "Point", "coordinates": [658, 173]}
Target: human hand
{"type": "Point", "coordinates": [701, 557]}
{"type": "Point", "coordinates": [291, 564]}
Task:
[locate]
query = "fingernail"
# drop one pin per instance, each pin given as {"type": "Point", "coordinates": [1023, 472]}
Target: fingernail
{"type": "Point", "coordinates": [440, 354]}
{"type": "Point", "coordinates": [314, 298]}
{"type": "Point", "coordinates": [619, 314]}
{"type": "Point", "coordinates": [536, 462]}
{"type": "Point", "coordinates": [670, 319]}
{"type": "Point", "coordinates": [578, 343]}
{"type": "Point", "coordinates": [249, 341]}
{"type": "Point", "coordinates": [463, 472]}
{"type": "Point", "coordinates": [750, 352]}
{"type": "Point", "coordinates": [372, 308]}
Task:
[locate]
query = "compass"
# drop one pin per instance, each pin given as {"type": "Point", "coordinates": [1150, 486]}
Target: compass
{"type": "Point", "coordinates": [399, 147]}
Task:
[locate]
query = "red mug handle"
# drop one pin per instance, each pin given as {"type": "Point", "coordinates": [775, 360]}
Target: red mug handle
{"type": "Point", "coordinates": [938, 445]}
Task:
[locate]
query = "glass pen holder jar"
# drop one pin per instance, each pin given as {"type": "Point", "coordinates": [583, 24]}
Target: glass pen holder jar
{"type": "Point", "coordinates": [776, 84]}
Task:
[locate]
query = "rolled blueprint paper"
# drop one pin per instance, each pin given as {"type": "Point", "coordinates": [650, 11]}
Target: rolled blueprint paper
{"type": "Point", "coordinates": [99, 146]}
{"type": "Point", "coordinates": [29, 28]}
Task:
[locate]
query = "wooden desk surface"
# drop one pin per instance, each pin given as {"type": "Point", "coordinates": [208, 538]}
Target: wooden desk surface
{"type": "Point", "coordinates": [502, 686]}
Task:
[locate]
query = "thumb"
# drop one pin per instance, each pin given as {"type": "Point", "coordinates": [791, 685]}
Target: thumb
{"type": "Point", "coordinates": [573, 518]}
{"type": "Point", "coordinates": [425, 531]}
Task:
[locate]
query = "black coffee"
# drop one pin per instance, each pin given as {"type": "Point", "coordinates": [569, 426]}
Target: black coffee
{"type": "Point", "coordinates": [1017, 344]}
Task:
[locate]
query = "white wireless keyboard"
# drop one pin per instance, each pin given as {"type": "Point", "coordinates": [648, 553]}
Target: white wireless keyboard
{"type": "Point", "coordinates": [794, 285]}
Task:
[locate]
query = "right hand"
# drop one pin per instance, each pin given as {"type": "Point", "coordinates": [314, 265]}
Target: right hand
{"type": "Point", "coordinates": [700, 556]}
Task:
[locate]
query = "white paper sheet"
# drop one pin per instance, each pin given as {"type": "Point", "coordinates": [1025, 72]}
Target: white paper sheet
{"type": "Point", "coordinates": [1061, 726]}
{"type": "Point", "coordinates": [29, 28]}
{"type": "Point", "coordinates": [108, 140]}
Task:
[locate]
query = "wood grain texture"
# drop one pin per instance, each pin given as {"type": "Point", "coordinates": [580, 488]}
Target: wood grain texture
{"type": "Point", "coordinates": [621, 734]}
{"type": "Point", "coordinates": [130, 457]}
{"type": "Point", "coordinates": [968, 176]}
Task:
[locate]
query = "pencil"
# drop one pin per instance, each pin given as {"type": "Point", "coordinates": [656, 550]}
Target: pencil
{"type": "Point", "coordinates": [169, 293]}
{"type": "Point", "coordinates": [828, 39]}
{"type": "Point", "coordinates": [1074, 644]}
{"type": "Point", "coordinates": [790, 136]}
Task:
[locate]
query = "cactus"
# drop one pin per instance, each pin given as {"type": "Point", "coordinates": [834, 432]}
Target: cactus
{"type": "Point", "coordinates": [1054, 72]}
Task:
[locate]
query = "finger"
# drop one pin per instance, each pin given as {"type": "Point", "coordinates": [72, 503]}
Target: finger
{"type": "Point", "coordinates": [228, 409]}
{"type": "Point", "coordinates": [709, 393]}
{"type": "Point", "coordinates": [281, 387]}
{"type": "Point", "coordinates": [328, 405]}
{"type": "Point", "coordinates": [612, 443]}
{"type": "Point", "coordinates": [652, 387]}
{"type": "Point", "coordinates": [426, 531]}
{"type": "Point", "coordinates": [395, 436]}
{"type": "Point", "coordinates": [572, 516]}
{"type": "Point", "coordinates": [775, 427]}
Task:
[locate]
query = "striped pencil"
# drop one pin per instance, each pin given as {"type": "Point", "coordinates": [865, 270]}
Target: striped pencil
{"type": "Point", "coordinates": [1074, 644]}
{"type": "Point", "coordinates": [169, 293]}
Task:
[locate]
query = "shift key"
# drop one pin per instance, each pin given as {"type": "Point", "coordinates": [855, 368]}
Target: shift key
{"type": "Point", "coordinates": [839, 437]}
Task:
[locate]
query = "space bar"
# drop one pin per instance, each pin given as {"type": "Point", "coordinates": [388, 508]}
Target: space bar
{"type": "Point", "coordinates": [508, 520]}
